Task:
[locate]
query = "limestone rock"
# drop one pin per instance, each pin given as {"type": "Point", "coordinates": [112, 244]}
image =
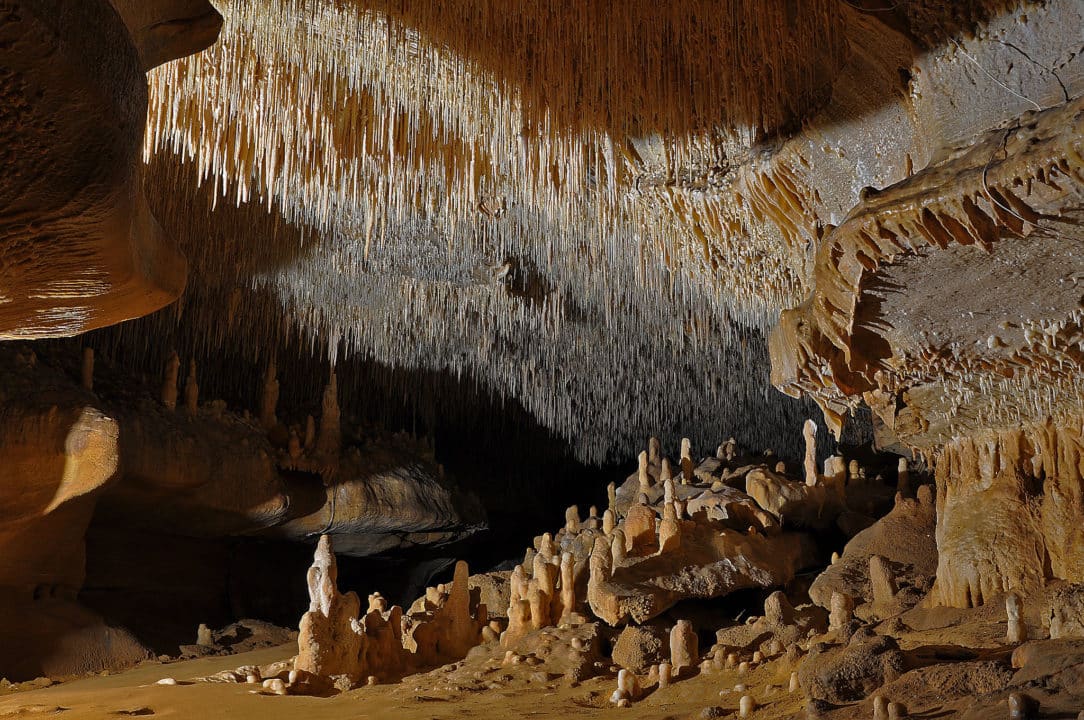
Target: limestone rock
{"type": "Point", "coordinates": [904, 539]}
{"type": "Point", "coordinates": [852, 672]}
{"type": "Point", "coordinates": [712, 561]}
{"type": "Point", "coordinates": [638, 647]}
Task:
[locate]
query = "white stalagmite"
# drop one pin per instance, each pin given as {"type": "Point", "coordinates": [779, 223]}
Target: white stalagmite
{"type": "Point", "coordinates": [686, 461]}
{"type": "Point", "coordinates": [642, 472]}
{"type": "Point", "coordinates": [1017, 630]}
{"type": "Point", "coordinates": [809, 432]}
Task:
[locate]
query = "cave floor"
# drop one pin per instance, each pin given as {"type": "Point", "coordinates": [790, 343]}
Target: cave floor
{"type": "Point", "coordinates": [958, 668]}
{"type": "Point", "coordinates": [438, 695]}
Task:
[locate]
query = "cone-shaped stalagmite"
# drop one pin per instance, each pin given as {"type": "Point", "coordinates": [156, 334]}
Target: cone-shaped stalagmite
{"type": "Point", "coordinates": [169, 382]}
{"type": "Point", "coordinates": [329, 439]}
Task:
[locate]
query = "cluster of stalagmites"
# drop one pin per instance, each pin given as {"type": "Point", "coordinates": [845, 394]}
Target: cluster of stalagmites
{"type": "Point", "coordinates": [616, 578]}
{"type": "Point", "coordinates": [312, 448]}
{"type": "Point", "coordinates": [665, 537]}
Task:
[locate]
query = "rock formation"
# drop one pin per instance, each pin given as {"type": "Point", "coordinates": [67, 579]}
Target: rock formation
{"type": "Point", "coordinates": [416, 230]}
{"type": "Point", "coordinates": [80, 246]}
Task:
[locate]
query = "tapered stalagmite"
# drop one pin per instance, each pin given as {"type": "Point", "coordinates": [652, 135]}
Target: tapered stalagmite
{"type": "Point", "coordinates": [545, 573]}
{"type": "Point", "coordinates": [642, 472]}
{"type": "Point", "coordinates": [882, 580]}
{"type": "Point", "coordinates": [327, 643]}
{"type": "Point", "coordinates": [640, 529]}
{"type": "Point", "coordinates": [519, 622]}
{"type": "Point", "coordinates": [903, 477]}
{"type": "Point", "coordinates": [517, 584]}
{"type": "Point", "coordinates": [568, 585]}
{"type": "Point", "coordinates": [608, 522]}
{"type": "Point", "coordinates": [669, 530]}
{"type": "Point", "coordinates": [841, 612]}
{"type": "Point", "coordinates": [684, 647]}
{"type": "Point", "coordinates": [572, 519]}
{"type": "Point", "coordinates": [835, 472]}
{"type": "Point", "coordinates": [191, 389]}
{"type": "Point", "coordinates": [546, 547]}
{"type": "Point", "coordinates": [540, 602]}
{"type": "Point", "coordinates": [169, 382]}
{"type": "Point", "coordinates": [329, 439]}
{"type": "Point", "coordinates": [618, 548]}
{"type": "Point", "coordinates": [666, 671]}
{"type": "Point", "coordinates": [809, 432]}
{"type": "Point", "coordinates": [1017, 630]}
{"type": "Point", "coordinates": [654, 450]}
{"type": "Point", "coordinates": [686, 461]}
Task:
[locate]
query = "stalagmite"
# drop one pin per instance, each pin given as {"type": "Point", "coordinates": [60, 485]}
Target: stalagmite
{"type": "Point", "coordinates": [169, 383]}
{"type": "Point", "coordinates": [809, 432]}
{"type": "Point", "coordinates": [568, 585]}
{"type": "Point", "coordinates": [640, 529]}
{"type": "Point", "coordinates": [668, 492]}
{"type": "Point", "coordinates": [665, 674]}
{"type": "Point", "coordinates": [654, 450]}
{"type": "Point", "coordinates": [896, 711]}
{"type": "Point", "coordinates": [686, 461]}
{"type": "Point", "coordinates": [666, 472]}
{"type": "Point", "coordinates": [329, 439]}
{"type": "Point", "coordinates": [684, 652]}
{"type": "Point", "coordinates": [1017, 630]}
{"type": "Point", "coordinates": [204, 637]}
{"type": "Point", "coordinates": [835, 472]}
{"type": "Point", "coordinates": [191, 389]}
{"type": "Point", "coordinates": [572, 519]}
{"type": "Point", "coordinates": [642, 472]}
{"type": "Point", "coordinates": [853, 472]}
{"type": "Point", "coordinates": [628, 687]}
{"type": "Point", "coordinates": [269, 398]}
{"type": "Point", "coordinates": [842, 610]}
{"type": "Point", "coordinates": [611, 497]}
{"type": "Point", "coordinates": [519, 622]}
{"type": "Point", "coordinates": [87, 373]}
{"type": "Point", "coordinates": [618, 549]}
{"type": "Point", "coordinates": [746, 706]}
{"type": "Point", "coordinates": [546, 573]}
{"type": "Point", "coordinates": [882, 580]}
{"type": "Point", "coordinates": [546, 548]}
{"type": "Point", "coordinates": [517, 584]}
{"type": "Point", "coordinates": [608, 522]}
{"type": "Point", "coordinates": [669, 530]}
{"type": "Point", "coordinates": [880, 708]}
{"type": "Point", "coordinates": [793, 685]}
{"type": "Point", "coordinates": [600, 568]}
{"type": "Point", "coordinates": [903, 477]}
{"type": "Point", "coordinates": [1021, 707]}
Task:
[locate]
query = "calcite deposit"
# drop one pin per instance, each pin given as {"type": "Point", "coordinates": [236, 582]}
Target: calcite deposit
{"type": "Point", "coordinates": [737, 345]}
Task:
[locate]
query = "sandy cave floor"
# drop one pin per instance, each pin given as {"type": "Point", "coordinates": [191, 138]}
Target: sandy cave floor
{"type": "Point", "coordinates": [948, 650]}
{"type": "Point", "coordinates": [438, 695]}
